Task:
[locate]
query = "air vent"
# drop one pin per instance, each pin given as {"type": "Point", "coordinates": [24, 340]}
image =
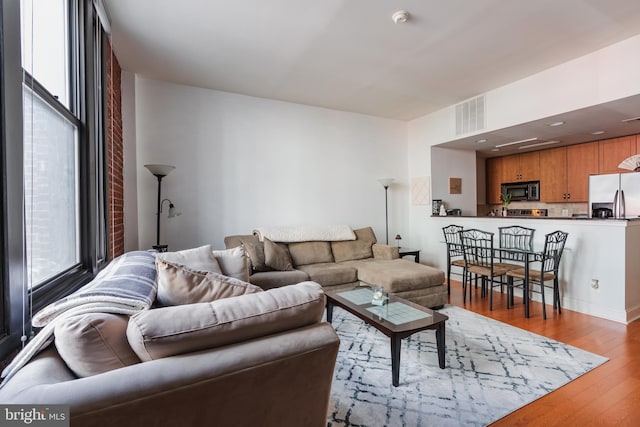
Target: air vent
{"type": "Point", "coordinates": [470, 115]}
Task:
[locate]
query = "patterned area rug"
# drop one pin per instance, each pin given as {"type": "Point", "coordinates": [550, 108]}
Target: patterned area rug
{"type": "Point", "coordinates": [492, 370]}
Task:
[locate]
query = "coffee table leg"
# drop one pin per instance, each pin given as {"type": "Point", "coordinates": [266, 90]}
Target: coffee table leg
{"type": "Point", "coordinates": [395, 359]}
{"type": "Point", "coordinates": [441, 345]}
{"type": "Point", "coordinates": [329, 311]}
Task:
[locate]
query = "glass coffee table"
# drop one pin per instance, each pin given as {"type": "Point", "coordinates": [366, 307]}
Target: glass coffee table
{"type": "Point", "coordinates": [397, 318]}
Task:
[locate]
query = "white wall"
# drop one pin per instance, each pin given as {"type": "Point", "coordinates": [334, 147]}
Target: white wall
{"type": "Point", "coordinates": [244, 162]}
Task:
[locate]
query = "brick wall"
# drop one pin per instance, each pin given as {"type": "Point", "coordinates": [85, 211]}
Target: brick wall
{"type": "Point", "coordinates": [114, 159]}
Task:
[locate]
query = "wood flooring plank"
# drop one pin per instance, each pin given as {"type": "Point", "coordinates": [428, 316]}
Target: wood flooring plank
{"type": "Point", "coordinates": [606, 396]}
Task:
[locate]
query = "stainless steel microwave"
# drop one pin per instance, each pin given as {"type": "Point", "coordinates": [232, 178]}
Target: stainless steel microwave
{"type": "Point", "coordinates": [529, 190]}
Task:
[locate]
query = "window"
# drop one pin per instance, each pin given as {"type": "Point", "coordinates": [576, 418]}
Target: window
{"type": "Point", "coordinates": [52, 101]}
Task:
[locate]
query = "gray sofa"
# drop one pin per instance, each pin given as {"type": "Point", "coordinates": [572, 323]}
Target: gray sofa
{"type": "Point", "coordinates": [343, 264]}
{"type": "Point", "coordinates": [260, 358]}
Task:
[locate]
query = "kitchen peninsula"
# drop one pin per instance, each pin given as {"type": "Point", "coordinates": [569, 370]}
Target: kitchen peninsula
{"type": "Point", "coordinates": [602, 250]}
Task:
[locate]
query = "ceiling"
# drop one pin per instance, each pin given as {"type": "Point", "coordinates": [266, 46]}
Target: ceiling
{"type": "Point", "coordinates": [349, 55]}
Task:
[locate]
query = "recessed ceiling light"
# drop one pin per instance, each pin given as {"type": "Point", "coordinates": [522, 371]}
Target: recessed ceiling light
{"type": "Point", "coordinates": [495, 149]}
{"type": "Point", "coordinates": [538, 144]}
{"type": "Point", "coordinates": [632, 119]}
{"type": "Point", "coordinates": [480, 141]}
{"type": "Point", "coordinates": [598, 132]}
{"type": "Point", "coordinates": [556, 124]}
{"type": "Point", "coordinates": [516, 142]}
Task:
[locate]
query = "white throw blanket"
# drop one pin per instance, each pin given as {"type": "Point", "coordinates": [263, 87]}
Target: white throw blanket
{"type": "Point", "coordinates": [127, 285]}
{"type": "Point", "coordinates": [306, 233]}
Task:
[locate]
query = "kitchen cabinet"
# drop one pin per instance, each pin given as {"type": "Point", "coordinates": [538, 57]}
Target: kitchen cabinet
{"type": "Point", "coordinates": [494, 172]}
{"type": "Point", "coordinates": [553, 175]}
{"type": "Point", "coordinates": [564, 172]}
{"type": "Point", "coordinates": [613, 151]}
{"type": "Point", "coordinates": [521, 167]}
{"type": "Point", "coordinates": [582, 161]}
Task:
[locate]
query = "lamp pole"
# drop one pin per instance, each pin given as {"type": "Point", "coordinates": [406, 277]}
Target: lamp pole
{"type": "Point", "coordinates": [386, 182]}
{"type": "Point", "coordinates": [158, 210]}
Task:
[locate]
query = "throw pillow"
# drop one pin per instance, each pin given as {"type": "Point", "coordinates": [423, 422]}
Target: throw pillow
{"type": "Point", "coordinates": [94, 343]}
{"type": "Point", "coordinates": [276, 256]}
{"type": "Point", "coordinates": [201, 258]}
{"type": "Point", "coordinates": [178, 285]}
{"type": "Point", "coordinates": [233, 262]}
{"type": "Point", "coordinates": [163, 332]}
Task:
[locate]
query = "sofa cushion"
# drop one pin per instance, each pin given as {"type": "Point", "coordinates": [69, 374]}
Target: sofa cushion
{"type": "Point", "coordinates": [234, 262]}
{"type": "Point", "coordinates": [168, 331]}
{"type": "Point", "coordinates": [254, 248]}
{"type": "Point", "coordinates": [274, 279]}
{"type": "Point", "coordinates": [399, 275]}
{"type": "Point", "coordinates": [277, 256]}
{"type": "Point", "coordinates": [329, 274]}
{"type": "Point", "coordinates": [355, 249]}
{"type": "Point", "coordinates": [94, 343]}
{"type": "Point", "coordinates": [178, 284]}
{"type": "Point", "coordinates": [304, 253]}
{"type": "Point", "coordinates": [200, 258]}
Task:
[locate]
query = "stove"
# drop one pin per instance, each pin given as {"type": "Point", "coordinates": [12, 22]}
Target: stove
{"type": "Point", "coordinates": [527, 212]}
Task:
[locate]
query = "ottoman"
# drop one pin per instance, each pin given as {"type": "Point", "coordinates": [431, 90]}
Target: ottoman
{"type": "Point", "coordinates": [419, 283]}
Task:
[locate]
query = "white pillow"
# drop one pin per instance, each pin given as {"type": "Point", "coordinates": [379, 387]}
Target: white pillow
{"type": "Point", "coordinates": [234, 262]}
{"type": "Point", "coordinates": [200, 259]}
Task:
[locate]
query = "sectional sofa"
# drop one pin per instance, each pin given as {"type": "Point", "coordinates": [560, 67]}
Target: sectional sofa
{"type": "Point", "coordinates": [247, 357]}
{"type": "Point", "coordinates": [341, 264]}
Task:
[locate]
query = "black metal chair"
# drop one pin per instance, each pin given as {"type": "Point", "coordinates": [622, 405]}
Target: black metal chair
{"type": "Point", "coordinates": [513, 237]}
{"type": "Point", "coordinates": [548, 264]}
{"type": "Point", "coordinates": [455, 255]}
{"type": "Point", "coordinates": [479, 258]}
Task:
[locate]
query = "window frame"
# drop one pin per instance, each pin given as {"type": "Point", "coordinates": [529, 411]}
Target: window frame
{"type": "Point", "coordinates": [86, 110]}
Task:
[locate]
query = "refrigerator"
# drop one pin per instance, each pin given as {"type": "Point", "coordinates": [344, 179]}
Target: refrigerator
{"type": "Point", "coordinates": [619, 191]}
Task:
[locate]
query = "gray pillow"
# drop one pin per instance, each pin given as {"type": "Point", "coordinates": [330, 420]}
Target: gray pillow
{"type": "Point", "coordinates": [276, 256]}
{"type": "Point", "coordinates": [94, 343]}
{"type": "Point", "coordinates": [178, 285]}
{"type": "Point", "coordinates": [234, 262]}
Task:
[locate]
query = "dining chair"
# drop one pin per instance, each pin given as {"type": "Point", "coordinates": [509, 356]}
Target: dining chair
{"type": "Point", "coordinates": [477, 246]}
{"type": "Point", "coordinates": [455, 256]}
{"type": "Point", "coordinates": [548, 263]}
{"type": "Point", "coordinates": [514, 237]}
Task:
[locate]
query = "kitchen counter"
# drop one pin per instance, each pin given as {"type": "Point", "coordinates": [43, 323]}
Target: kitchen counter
{"type": "Point", "coordinates": [605, 250]}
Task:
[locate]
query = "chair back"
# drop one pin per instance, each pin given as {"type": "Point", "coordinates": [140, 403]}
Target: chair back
{"type": "Point", "coordinates": [452, 239]}
{"type": "Point", "coordinates": [477, 246]}
{"type": "Point", "coordinates": [515, 237]}
{"type": "Point", "coordinates": [553, 247]}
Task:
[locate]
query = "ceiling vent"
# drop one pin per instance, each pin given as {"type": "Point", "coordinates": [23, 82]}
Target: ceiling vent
{"type": "Point", "coordinates": [470, 115]}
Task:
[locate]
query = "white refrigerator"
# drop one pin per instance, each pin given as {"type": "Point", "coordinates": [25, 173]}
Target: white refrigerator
{"type": "Point", "coordinates": [619, 190]}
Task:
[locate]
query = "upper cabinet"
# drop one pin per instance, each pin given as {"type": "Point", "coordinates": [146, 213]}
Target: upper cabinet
{"type": "Point", "coordinates": [494, 170]}
{"type": "Point", "coordinates": [521, 167]}
{"type": "Point", "coordinates": [582, 161]}
{"type": "Point", "coordinates": [553, 175]}
{"type": "Point", "coordinates": [613, 151]}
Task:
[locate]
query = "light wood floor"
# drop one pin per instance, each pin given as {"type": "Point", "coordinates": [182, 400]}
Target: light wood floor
{"type": "Point", "coordinates": [607, 396]}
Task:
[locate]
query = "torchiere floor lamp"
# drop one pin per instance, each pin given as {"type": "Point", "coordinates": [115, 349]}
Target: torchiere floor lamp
{"type": "Point", "coordinates": [386, 182]}
{"type": "Point", "coordinates": [160, 171]}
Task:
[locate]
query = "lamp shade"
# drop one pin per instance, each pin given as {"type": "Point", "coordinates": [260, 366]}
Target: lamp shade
{"type": "Point", "coordinates": [385, 182]}
{"type": "Point", "coordinates": [160, 170]}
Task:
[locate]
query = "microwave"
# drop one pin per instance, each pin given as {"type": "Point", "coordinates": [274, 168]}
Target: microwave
{"type": "Point", "coordinates": [521, 190]}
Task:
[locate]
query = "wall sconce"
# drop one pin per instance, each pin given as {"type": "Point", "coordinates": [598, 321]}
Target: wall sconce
{"type": "Point", "coordinates": [398, 238]}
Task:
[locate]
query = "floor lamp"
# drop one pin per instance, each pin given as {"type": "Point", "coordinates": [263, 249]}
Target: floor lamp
{"type": "Point", "coordinates": [160, 171]}
{"type": "Point", "coordinates": [386, 182]}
